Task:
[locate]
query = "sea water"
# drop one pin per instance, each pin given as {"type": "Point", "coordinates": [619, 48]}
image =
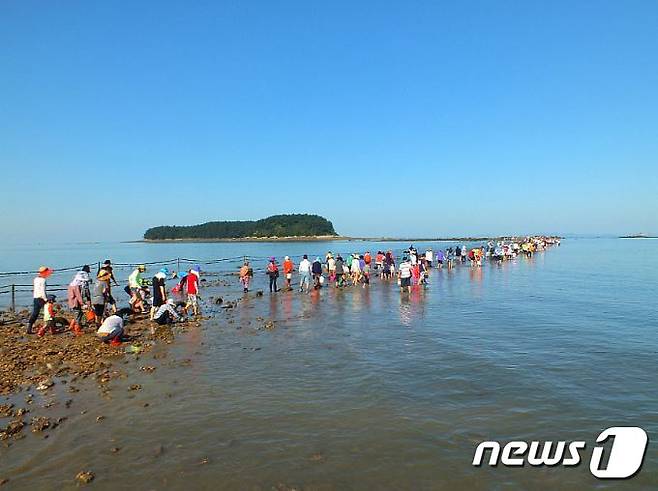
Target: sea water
{"type": "Point", "coordinates": [365, 388]}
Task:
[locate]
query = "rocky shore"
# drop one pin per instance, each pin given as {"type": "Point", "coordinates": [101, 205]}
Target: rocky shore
{"type": "Point", "coordinates": [30, 363]}
{"type": "Point", "coordinates": [46, 382]}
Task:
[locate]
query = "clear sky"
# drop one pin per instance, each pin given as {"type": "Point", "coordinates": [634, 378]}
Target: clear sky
{"type": "Point", "coordinates": [389, 118]}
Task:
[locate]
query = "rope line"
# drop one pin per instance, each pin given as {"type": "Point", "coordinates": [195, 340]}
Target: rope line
{"type": "Point", "coordinates": [22, 288]}
{"type": "Point", "coordinates": [131, 264]}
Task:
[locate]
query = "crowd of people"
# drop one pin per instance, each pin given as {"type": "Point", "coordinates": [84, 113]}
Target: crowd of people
{"type": "Point", "coordinates": [413, 268]}
{"type": "Point", "coordinates": [93, 303]}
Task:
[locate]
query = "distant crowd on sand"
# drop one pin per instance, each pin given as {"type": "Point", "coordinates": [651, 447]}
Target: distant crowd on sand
{"type": "Point", "coordinates": [93, 304]}
{"type": "Point", "coordinates": [412, 270]}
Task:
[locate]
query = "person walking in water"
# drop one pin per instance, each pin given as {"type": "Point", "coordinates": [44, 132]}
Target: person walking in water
{"type": "Point", "coordinates": [273, 272]}
{"type": "Point", "coordinates": [316, 269]}
{"type": "Point", "coordinates": [404, 274]}
{"type": "Point", "coordinates": [305, 274]}
{"type": "Point", "coordinates": [340, 273]}
{"type": "Point", "coordinates": [440, 258]}
{"type": "Point", "coordinates": [288, 267]}
{"type": "Point", "coordinates": [355, 269]}
{"type": "Point", "coordinates": [245, 276]}
{"type": "Point", "coordinates": [450, 257]}
{"type": "Point", "coordinates": [429, 257]}
{"type": "Point", "coordinates": [192, 289]}
{"type": "Point", "coordinates": [39, 296]}
{"type": "Point", "coordinates": [331, 267]}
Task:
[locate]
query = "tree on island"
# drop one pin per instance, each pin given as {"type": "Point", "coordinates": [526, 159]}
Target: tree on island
{"type": "Point", "coordinates": [295, 225]}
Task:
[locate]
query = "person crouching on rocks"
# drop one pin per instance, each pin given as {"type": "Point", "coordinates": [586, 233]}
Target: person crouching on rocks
{"type": "Point", "coordinates": [166, 314]}
{"type": "Point", "coordinates": [111, 330]}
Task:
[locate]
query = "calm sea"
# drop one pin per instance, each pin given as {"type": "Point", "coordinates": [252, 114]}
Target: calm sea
{"type": "Point", "coordinates": [365, 388]}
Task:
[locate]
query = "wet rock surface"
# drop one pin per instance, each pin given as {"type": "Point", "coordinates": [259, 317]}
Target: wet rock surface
{"type": "Point", "coordinates": [85, 477]}
{"type": "Point", "coordinates": [12, 429]}
{"type": "Point", "coordinates": [49, 379]}
{"type": "Point", "coordinates": [33, 360]}
{"type": "Point", "coordinates": [41, 423]}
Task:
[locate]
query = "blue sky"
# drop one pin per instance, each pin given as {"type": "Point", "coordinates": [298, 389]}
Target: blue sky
{"type": "Point", "coordinates": [389, 118]}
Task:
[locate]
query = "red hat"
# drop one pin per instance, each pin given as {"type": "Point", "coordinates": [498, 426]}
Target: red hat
{"type": "Point", "coordinates": [45, 271]}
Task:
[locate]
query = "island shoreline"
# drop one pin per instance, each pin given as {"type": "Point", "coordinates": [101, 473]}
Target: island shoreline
{"type": "Point", "coordinates": [328, 238]}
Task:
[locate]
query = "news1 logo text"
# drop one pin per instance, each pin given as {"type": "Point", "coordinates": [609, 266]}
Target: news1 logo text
{"type": "Point", "coordinates": [618, 453]}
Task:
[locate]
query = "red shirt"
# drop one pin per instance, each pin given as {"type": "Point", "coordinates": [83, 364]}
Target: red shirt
{"type": "Point", "coordinates": [367, 258]}
{"type": "Point", "coordinates": [192, 284]}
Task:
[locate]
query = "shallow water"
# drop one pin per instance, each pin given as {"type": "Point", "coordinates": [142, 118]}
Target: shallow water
{"type": "Point", "coordinates": [365, 388]}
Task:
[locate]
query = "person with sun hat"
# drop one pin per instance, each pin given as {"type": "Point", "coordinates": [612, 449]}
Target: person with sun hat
{"type": "Point", "coordinates": [39, 295]}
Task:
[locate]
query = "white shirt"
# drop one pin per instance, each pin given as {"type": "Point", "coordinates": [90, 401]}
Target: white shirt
{"type": "Point", "coordinates": [166, 308]}
{"type": "Point", "coordinates": [81, 278]}
{"type": "Point", "coordinates": [429, 255]}
{"type": "Point", "coordinates": [405, 270]}
{"type": "Point", "coordinates": [305, 266]}
{"type": "Point", "coordinates": [111, 324]}
{"type": "Point", "coordinates": [40, 287]}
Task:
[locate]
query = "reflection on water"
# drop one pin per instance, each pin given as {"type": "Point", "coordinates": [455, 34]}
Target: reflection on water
{"type": "Point", "coordinates": [368, 388]}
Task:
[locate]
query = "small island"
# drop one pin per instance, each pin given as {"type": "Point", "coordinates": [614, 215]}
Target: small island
{"type": "Point", "coordinates": [279, 227]}
{"type": "Point", "coordinates": [637, 236]}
